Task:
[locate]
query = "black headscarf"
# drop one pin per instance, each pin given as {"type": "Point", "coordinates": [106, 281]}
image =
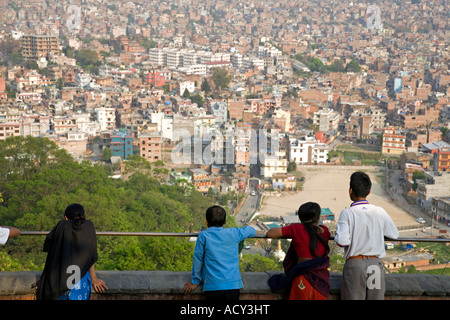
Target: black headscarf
{"type": "Point", "coordinates": [69, 243]}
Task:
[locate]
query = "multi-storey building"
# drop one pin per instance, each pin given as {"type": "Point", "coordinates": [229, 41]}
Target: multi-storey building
{"type": "Point", "coordinates": [106, 117]}
{"type": "Point", "coordinates": [237, 60]}
{"type": "Point", "coordinates": [122, 144]}
{"type": "Point", "coordinates": [150, 146]}
{"type": "Point", "coordinates": [3, 93]}
{"type": "Point", "coordinates": [435, 185]}
{"type": "Point", "coordinates": [9, 130]}
{"type": "Point", "coordinates": [441, 159]}
{"type": "Point", "coordinates": [219, 110]}
{"type": "Point", "coordinates": [326, 120]}
{"type": "Point", "coordinates": [282, 119]}
{"type": "Point", "coordinates": [394, 141]}
{"type": "Point", "coordinates": [419, 118]}
{"type": "Point", "coordinates": [35, 125]}
{"type": "Point", "coordinates": [173, 58]}
{"type": "Point", "coordinates": [273, 164]}
{"type": "Point", "coordinates": [236, 110]}
{"type": "Point", "coordinates": [307, 150]}
{"type": "Point", "coordinates": [201, 180]}
{"type": "Point", "coordinates": [157, 56]}
{"type": "Point", "coordinates": [155, 79]}
{"type": "Point", "coordinates": [190, 57]}
{"type": "Point", "coordinates": [37, 46]}
{"type": "Point", "coordinates": [31, 80]}
{"type": "Point", "coordinates": [186, 85]}
{"type": "Point", "coordinates": [62, 125]}
{"type": "Point", "coordinates": [440, 207]}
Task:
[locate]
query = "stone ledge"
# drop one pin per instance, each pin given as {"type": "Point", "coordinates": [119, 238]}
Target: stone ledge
{"type": "Point", "coordinates": [167, 285]}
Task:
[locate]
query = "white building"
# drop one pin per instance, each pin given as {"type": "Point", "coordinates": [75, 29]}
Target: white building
{"type": "Point", "coordinates": [190, 57]}
{"type": "Point", "coordinates": [165, 125]}
{"type": "Point", "coordinates": [220, 110]}
{"type": "Point", "coordinates": [157, 56]}
{"type": "Point", "coordinates": [237, 60]}
{"type": "Point", "coordinates": [197, 69]}
{"type": "Point", "coordinates": [106, 117]}
{"type": "Point", "coordinates": [252, 62]}
{"type": "Point", "coordinates": [173, 58]}
{"type": "Point", "coordinates": [273, 164]}
{"type": "Point", "coordinates": [83, 80]}
{"type": "Point", "coordinates": [269, 51]}
{"type": "Point", "coordinates": [307, 150]}
{"type": "Point", "coordinates": [186, 85]}
{"type": "Point", "coordinates": [85, 125]}
{"type": "Point", "coordinates": [34, 125]}
{"type": "Point", "coordinates": [326, 119]}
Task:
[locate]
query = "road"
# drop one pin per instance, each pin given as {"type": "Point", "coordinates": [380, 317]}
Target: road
{"type": "Point", "coordinates": [250, 205]}
{"type": "Point", "coordinates": [396, 187]}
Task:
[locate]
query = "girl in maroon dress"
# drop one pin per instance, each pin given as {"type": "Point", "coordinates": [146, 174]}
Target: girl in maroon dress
{"type": "Point", "coordinates": [306, 263]}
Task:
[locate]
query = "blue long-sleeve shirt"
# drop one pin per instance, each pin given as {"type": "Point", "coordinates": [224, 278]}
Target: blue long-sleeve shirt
{"type": "Point", "coordinates": [216, 258]}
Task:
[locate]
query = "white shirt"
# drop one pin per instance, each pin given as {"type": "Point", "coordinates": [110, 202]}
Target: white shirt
{"type": "Point", "coordinates": [4, 235]}
{"type": "Point", "coordinates": [361, 230]}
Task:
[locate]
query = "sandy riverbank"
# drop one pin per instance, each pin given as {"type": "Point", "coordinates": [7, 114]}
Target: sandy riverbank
{"type": "Point", "coordinates": [328, 186]}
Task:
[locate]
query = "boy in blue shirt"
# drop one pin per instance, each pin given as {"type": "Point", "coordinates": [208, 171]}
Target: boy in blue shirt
{"type": "Point", "coordinates": [216, 258]}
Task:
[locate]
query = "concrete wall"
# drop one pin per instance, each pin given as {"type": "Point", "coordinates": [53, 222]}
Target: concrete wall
{"type": "Point", "coordinates": [166, 285]}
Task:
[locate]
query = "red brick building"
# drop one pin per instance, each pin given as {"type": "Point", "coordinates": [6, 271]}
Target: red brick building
{"type": "Point", "coordinates": [155, 79]}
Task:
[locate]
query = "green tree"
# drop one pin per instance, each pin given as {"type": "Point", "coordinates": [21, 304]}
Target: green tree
{"type": "Point", "coordinates": [337, 66]}
{"type": "Point", "coordinates": [444, 131]}
{"type": "Point", "coordinates": [69, 52]}
{"type": "Point", "coordinates": [107, 154]}
{"type": "Point", "coordinates": [258, 263]}
{"type": "Point", "coordinates": [292, 166]}
{"type": "Point", "coordinates": [198, 99]}
{"type": "Point", "coordinates": [186, 94]}
{"type": "Point", "coordinates": [353, 66]}
{"type": "Point", "coordinates": [39, 180]}
{"type": "Point", "coordinates": [205, 87]}
{"type": "Point", "coordinates": [60, 83]}
{"type": "Point", "coordinates": [417, 175]}
{"type": "Point", "coordinates": [87, 57]}
{"type": "Point", "coordinates": [220, 77]}
{"type": "Point", "coordinates": [315, 64]}
{"type": "Point", "coordinates": [31, 64]}
{"type": "Point", "coordinates": [45, 72]}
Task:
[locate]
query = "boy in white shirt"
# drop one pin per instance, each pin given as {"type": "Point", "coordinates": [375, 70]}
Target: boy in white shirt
{"type": "Point", "coordinates": [8, 232]}
{"type": "Point", "coordinates": [361, 230]}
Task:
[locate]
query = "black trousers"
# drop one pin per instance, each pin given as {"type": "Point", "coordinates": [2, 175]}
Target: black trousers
{"type": "Point", "coordinates": [222, 294]}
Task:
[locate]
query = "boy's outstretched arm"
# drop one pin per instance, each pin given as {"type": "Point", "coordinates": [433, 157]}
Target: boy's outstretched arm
{"type": "Point", "coordinates": [274, 233]}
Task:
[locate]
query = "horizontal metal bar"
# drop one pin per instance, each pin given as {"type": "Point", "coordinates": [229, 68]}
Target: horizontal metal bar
{"type": "Point", "coordinates": [176, 234]}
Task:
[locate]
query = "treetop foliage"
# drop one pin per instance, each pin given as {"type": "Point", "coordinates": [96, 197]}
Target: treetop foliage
{"type": "Point", "coordinates": [39, 180]}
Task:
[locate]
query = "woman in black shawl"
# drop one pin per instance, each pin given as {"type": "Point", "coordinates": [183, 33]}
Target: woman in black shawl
{"type": "Point", "coordinates": [69, 271]}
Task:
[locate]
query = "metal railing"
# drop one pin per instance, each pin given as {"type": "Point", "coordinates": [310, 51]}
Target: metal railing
{"type": "Point", "coordinates": [176, 234]}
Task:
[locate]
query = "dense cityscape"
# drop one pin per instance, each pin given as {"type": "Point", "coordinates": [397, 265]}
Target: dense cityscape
{"type": "Point", "coordinates": [225, 93]}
